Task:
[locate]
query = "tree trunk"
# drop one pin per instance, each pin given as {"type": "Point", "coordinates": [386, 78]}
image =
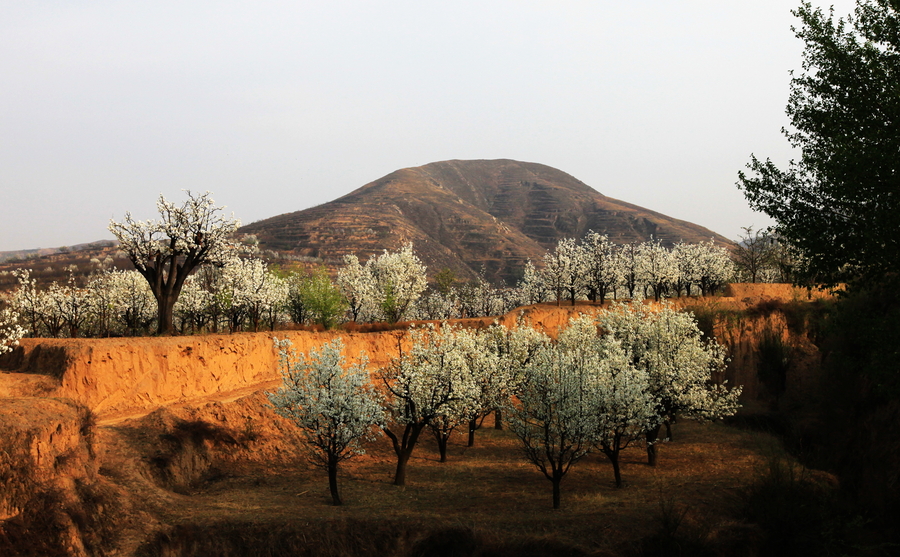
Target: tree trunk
{"type": "Point", "coordinates": [617, 473]}
{"type": "Point", "coordinates": [442, 439]}
{"type": "Point", "coordinates": [668, 430]}
{"type": "Point", "coordinates": [166, 313]}
{"type": "Point", "coordinates": [498, 419]}
{"type": "Point", "coordinates": [400, 473]}
{"type": "Point", "coordinates": [652, 441]}
{"type": "Point", "coordinates": [404, 448]}
{"type": "Point", "coordinates": [332, 481]}
{"type": "Point", "coordinates": [556, 479]}
{"type": "Point", "coordinates": [473, 425]}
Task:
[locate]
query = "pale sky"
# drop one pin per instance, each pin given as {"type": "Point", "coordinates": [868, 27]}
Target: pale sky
{"type": "Point", "coordinates": [279, 106]}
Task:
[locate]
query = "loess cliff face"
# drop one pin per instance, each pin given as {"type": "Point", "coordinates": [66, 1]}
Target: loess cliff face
{"type": "Point", "coordinates": [131, 376]}
{"type": "Point", "coordinates": [116, 376]}
{"type": "Point", "coordinates": [121, 377]}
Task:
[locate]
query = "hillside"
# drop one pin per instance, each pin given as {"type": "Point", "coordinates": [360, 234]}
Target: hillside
{"type": "Point", "coordinates": [467, 215]}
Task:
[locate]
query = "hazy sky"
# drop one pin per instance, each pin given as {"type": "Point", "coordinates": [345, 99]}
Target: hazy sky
{"type": "Point", "coordinates": [279, 106]}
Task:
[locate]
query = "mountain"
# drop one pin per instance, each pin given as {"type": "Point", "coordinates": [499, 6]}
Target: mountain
{"type": "Point", "coordinates": [468, 216]}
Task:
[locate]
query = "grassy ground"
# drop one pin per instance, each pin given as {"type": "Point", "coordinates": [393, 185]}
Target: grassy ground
{"type": "Point", "coordinates": [491, 491]}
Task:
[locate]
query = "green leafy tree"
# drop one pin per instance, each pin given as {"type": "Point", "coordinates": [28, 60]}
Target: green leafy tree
{"type": "Point", "coordinates": [445, 280]}
{"type": "Point", "coordinates": [323, 300]}
{"type": "Point", "coordinates": [837, 203]}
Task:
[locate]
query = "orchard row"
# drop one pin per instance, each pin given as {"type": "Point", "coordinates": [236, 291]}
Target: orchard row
{"type": "Point", "coordinates": [606, 382]}
{"type": "Point", "coordinates": [244, 293]}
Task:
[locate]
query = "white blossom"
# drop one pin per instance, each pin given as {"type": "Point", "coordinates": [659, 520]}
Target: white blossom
{"type": "Point", "coordinates": [166, 251]}
{"type": "Point", "coordinates": [10, 330]}
{"type": "Point", "coordinates": [715, 267]}
{"type": "Point", "coordinates": [531, 289]}
{"type": "Point", "coordinates": [398, 279]}
{"type": "Point", "coordinates": [430, 384]}
{"type": "Point", "coordinates": [684, 370]}
{"type": "Point", "coordinates": [248, 292]}
{"type": "Point", "coordinates": [121, 302]}
{"type": "Point", "coordinates": [356, 285]}
{"type": "Point", "coordinates": [561, 270]}
{"type": "Point", "coordinates": [334, 403]}
{"type": "Point", "coordinates": [656, 268]}
{"type": "Point", "coordinates": [601, 267]}
{"type": "Point", "coordinates": [552, 413]}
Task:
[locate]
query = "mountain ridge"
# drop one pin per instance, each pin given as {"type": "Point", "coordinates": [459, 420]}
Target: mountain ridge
{"type": "Point", "coordinates": [472, 216]}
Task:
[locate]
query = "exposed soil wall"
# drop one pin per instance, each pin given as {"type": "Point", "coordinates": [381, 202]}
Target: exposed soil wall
{"type": "Point", "coordinates": [40, 444]}
{"type": "Point", "coordinates": [120, 376]}
{"type": "Point", "coordinates": [124, 376]}
{"type": "Point", "coordinates": [132, 376]}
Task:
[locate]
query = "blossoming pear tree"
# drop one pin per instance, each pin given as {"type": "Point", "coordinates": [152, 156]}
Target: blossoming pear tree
{"type": "Point", "coordinates": [562, 270]}
{"type": "Point", "coordinates": [552, 413]}
{"type": "Point", "coordinates": [167, 250]}
{"type": "Point", "coordinates": [333, 403]}
{"type": "Point", "coordinates": [625, 406]}
{"type": "Point", "coordinates": [685, 371]}
{"type": "Point", "coordinates": [602, 271]}
{"type": "Point", "coordinates": [398, 279]}
{"type": "Point", "coordinates": [354, 282]}
{"type": "Point", "coordinates": [657, 270]}
{"type": "Point", "coordinates": [426, 385]}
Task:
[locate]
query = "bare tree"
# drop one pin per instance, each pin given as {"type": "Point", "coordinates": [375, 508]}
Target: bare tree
{"type": "Point", "coordinates": [753, 253]}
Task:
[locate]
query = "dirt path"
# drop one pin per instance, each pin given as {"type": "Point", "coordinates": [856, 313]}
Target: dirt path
{"type": "Point", "coordinates": [114, 418]}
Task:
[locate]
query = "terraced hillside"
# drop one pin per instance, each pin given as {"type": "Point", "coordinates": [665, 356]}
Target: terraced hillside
{"type": "Point", "coordinates": [467, 215]}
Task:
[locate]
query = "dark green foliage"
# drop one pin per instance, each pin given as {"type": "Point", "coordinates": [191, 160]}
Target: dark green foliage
{"type": "Point", "coordinates": [774, 358]}
{"type": "Point", "coordinates": [861, 399]}
{"type": "Point", "coordinates": [839, 202]}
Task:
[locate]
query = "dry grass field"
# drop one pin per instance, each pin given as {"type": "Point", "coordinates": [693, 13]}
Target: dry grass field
{"type": "Point", "coordinates": [486, 498]}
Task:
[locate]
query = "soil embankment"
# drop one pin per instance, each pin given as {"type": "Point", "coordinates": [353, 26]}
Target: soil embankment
{"type": "Point", "coordinates": [133, 376]}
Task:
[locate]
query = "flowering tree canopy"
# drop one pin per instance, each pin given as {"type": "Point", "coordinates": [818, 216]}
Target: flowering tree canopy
{"type": "Point", "coordinates": [166, 251]}
{"type": "Point", "coordinates": [685, 371]}
{"type": "Point", "coordinates": [333, 403]}
{"type": "Point", "coordinates": [430, 384]}
{"type": "Point", "coordinates": [553, 412]}
{"type": "Point", "coordinates": [10, 331]}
